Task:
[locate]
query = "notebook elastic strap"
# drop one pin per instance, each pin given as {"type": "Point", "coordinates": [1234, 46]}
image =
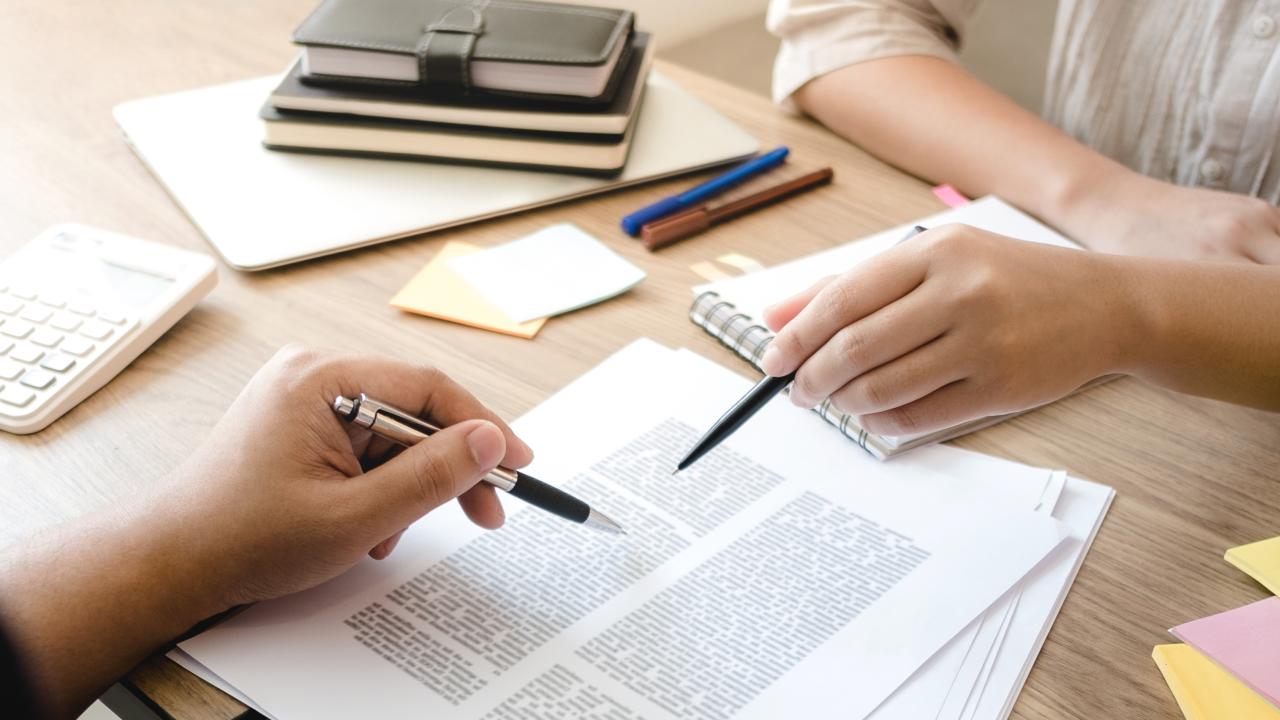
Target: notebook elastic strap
{"type": "Point", "coordinates": [444, 52]}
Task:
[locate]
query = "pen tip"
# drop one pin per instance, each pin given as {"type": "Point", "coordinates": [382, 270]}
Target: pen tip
{"type": "Point", "coordinates": [600, 521]}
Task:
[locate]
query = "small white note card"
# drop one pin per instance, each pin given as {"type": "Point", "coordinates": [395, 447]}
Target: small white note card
{"type": "Point", "coordinates": [555, 270]}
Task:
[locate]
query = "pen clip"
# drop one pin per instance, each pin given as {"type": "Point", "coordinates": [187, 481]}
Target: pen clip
{"type": "Point", "coordinates": [368, 410]}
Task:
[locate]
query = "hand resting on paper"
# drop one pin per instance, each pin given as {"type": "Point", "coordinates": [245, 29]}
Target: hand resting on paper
{"type": "Point", "coordinates": [281, 496]}
{"type": "Point", "coordinates": [1126, 212]}
{"type": "Point", "coordinates": [958, 323]}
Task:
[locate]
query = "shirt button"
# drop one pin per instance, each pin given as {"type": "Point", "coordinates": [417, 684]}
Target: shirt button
{"type": "Point", "coordinates": [1264, 26]}
{"type": "Point", "coordinates": [1212, 171]}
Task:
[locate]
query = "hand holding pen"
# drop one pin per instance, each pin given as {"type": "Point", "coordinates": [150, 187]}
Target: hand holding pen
{"type": "Point", "coordinates": [282, 495]}
{"type": "Point", "coordinates": [755, 399]}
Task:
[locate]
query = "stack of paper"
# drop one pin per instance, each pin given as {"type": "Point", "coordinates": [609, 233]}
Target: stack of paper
{"type": "Point", "coordinates": [1205, 691]}
{"type": "Point", "coordinates": [1245, 642]}
{"type": "Point", "coordinates": [787, 574]}
{"type": "Point", "coordinates": [513, 288]}
{"type": "Point", "coordinates": [1230, 665]}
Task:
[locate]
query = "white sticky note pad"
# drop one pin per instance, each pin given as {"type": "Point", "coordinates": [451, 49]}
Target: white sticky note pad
{"type": "Point", "coordinates": [555, 270]}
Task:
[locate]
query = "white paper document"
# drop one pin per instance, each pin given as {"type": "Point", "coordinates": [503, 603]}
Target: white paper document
{"type": "Point", "coordinates": [980, 673]}
{"type": "Point", "coordinates": [554, 270]}
{"type": "Point", "coordinates": [785, 574]}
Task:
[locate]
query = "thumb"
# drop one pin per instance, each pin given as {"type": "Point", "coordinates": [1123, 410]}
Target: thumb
{"type": "Point", "coordinates": [429, 474]}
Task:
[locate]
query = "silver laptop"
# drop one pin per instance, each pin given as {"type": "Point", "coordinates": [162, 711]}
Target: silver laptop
{"type": "Point", "coordinates": [261, 209]}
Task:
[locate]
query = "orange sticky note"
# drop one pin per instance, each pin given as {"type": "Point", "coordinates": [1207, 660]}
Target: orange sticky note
{"type": "Point", "coordinates": [438, 292]}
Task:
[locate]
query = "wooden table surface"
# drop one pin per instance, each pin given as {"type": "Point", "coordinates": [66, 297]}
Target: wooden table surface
{"type": "Point", "coordinates": [1193, 477]}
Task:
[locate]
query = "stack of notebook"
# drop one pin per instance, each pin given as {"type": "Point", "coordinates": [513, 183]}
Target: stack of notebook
{"type": "Point", "coordinates": [521, 84]}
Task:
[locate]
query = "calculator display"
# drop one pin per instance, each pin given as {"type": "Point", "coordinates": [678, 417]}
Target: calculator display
{"type": "Point", "coordinates": [86, 267]}
{"type": "Point", "coordinates": [133, 287]}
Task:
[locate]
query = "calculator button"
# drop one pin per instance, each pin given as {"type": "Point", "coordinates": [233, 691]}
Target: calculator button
{"type": "Point", "coordinates": [37, 379]}
{"type": "Point", "coordinates": [45, 337]}
{"type": "Point", "coordinates": [16, 396]}
{"type": "Point", "coordinates": [80, 307]}
{"type": "Point", "coordinates": [9, 306]}
{"type": "Point", "coordinates": [58, 363]}
{"type": "Point", "coordinates": [24, 293]}
{"type": "Point", "coordinates": [36, 314]}
{"type": "Point", "coordinates": [16, 329]}
{"type": "Point", "coordinates": [65, 321]}
{"type": "Point", "coordinates": [10, 370]}
{"type": "Point", "coordinates": [92, 329]}
{"type": "Point", "coordinates": [77, 346]}
{"type": "Point", "coordinates": [114, 318]}
{"type": "Point", "coordinates": [27, 353]}
{"type": "Point", "coordinates": [5, 346]}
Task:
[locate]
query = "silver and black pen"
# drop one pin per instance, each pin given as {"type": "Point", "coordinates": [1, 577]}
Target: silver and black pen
{"type": "Point", "coordinates": [400, 427]}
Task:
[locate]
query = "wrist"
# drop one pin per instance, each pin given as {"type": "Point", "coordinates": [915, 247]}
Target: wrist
{"type": "Point", "coordinates": [180, 561]}
{"type": "Point", "coordinates": [1080, 197]}
{"type": "Point", "coordinates": [1132, 311]}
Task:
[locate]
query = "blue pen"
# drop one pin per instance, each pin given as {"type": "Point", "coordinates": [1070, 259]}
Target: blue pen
{"type": "Point", "coordinates": [716, 185]}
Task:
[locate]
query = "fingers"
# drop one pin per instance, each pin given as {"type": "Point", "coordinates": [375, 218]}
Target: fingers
{"type": "Point", "coordinates": [901, 382]}
{"type": "Point", "coordinates": [884, 336]}
{"type": "Point", "coordinates": [427, 475]}
{"type": "Point", "coordinates": [778, 315]}
{"type": "Point", "coordinates": [945, 407]}
{"type": "Point", "coordinates": [481, 504]}
{"type": "Point", "coordinates": [384, 548]}
{"type": "Point", "coordinates": [842, 302]}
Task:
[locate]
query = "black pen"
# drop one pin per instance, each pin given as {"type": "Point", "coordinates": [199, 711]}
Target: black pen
{"type": "Point", "coordinates": [401, 427]}
{"type": "Point", "coordinates": [750, 404]}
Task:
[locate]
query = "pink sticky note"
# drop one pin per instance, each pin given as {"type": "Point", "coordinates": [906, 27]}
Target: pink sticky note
{"type": "Point", "coordinates": [950, 196]}
{"type": "Point", "coordinates": [1245, 642]}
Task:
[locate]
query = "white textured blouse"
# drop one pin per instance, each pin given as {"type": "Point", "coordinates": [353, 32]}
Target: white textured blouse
{"type": "Point", "coordinates": [1186, 91]}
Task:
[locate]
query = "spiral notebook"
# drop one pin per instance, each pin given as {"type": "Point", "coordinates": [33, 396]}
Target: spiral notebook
{"type": "Point", "coordinates": [727, 309]}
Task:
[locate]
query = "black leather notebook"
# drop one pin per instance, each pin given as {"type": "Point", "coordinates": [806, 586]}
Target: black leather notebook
{"type": "Point", "coordinates": [528, 49]}
{"type": "Point", "coordinates": [393, 103]}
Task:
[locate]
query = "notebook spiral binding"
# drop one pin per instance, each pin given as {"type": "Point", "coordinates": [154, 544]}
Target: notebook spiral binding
{"type": "Point", "coordinates": [748, 341]}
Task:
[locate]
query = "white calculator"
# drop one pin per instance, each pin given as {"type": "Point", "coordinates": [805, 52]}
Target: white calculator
{"type": "Point", "coordinates": [77, 305]}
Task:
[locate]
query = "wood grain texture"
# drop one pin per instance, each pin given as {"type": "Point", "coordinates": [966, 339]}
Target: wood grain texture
{"type": "Point", "coordinates": [172, 690]}
{"type": "Point", "coordinates": [1193, 476]}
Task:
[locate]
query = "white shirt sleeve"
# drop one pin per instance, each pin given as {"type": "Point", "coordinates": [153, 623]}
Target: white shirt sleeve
{"type": "Point", "coordinates": [819, 36]}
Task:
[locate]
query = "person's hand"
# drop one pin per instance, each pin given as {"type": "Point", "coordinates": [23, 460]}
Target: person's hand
{"type": "Point", "coordinates": [954, 324]}
{"type": "Point", "coordinates": [283, 495]}
{"type": "Point", "coordinates": [1131, 214]}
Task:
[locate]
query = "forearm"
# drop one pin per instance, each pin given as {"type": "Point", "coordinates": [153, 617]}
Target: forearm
{"type": "Point", "coordinates": [1208, 329]}
{"type": "Point", "coordinates": [87, 601]}
{"type": "Point", "coordinates": [935, 120]}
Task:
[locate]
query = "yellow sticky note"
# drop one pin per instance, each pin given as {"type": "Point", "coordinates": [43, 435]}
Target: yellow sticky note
{"type": "Point", "coordinates": [1205, 691]}
{"type": "Point", "coordinates": [1261, 560]}
{"type": "Point", "coordinates": [707, 270]}
{"type": "Point", "coordinates": [438, 292]}
{"type": "Point", "coordinates": [742, 262]}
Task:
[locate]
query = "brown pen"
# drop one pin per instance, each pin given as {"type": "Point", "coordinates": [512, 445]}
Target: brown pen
{"type": "Point", "coordinates": [672, 229]}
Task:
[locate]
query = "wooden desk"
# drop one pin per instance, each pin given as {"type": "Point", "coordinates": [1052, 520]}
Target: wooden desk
{"type": "Point", "coordinates": [1194, 477]}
